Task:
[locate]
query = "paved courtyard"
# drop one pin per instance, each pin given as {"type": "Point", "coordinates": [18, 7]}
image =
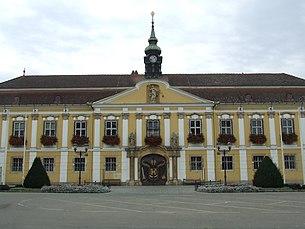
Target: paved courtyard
{"type": "Point", "coordinates": [153, 207]}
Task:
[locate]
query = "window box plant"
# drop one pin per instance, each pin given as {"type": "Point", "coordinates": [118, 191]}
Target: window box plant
{"type": "Point", "coordinates": [48, 140]}
{"type": "Point", "coordinates": [258, 138]}
{"type": "Point", "coordinates": [195, 138]}
{"type": "Point", "coordinates": [79, 140]}
{"type": "Point", "coordinates": [111, 140]}
{"type": "Point", "coordinates": [289, 139]}
{"type": "Point", "coordinates": [225, 139]}
{"type": "Point", "coordinates": [153, 140]}
{"type": "Point", "coordinates": [16, 141]}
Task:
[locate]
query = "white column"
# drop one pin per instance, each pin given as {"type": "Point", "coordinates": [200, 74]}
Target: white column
{"type": "Point", "coordinates": [242, 148]}
{"type": "Point", "coordinates": [124, 159]}
{"type": "Point", "coordinates": [136, 168]}
{"type": "Point", "coordinates": [34, 131]}
{"type": "Point", "coordinates": [181, 166]}
{"type": "Point", "coordinates": [170, 168]}
{"type": "Point", "coordinates": [3, 151]}
{"type": "Point", "coordinates": [273, 146]}
{"type": "Point", "coordinates": [63, 166]}
{"type": "Point", "coordinates": [96, 173]}
{"type": "Point", "coordinates": [32, 156]}
{"type": "Point", "coordinates": [210, 147]}
{"type": "Point", "coordinates": [302, 139]}
{"type": "Point", "coordinates": [139, 127]}
{"type": "Point", "coordinates": [167, 137]}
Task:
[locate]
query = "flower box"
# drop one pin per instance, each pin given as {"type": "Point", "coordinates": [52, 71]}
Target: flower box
{"type": "Point", "coordinates": [79, 140]}
{"type": "Point", "coordinates": [225, 139]}
{"type": "Point", "coordinates": [258, 139]}
{"type": "Point", "coordinates": [111, 140]}
{"type": "Point", "coordinates": [289, 139]}
{"type": "Point", "coordinates": [48, 140]}
{"type": "Point", "coordinates": [195, 138]}
{"type": "Point", "coordinates": [16, 141]}
{"type": "Point", "coordinates": [153, 140]}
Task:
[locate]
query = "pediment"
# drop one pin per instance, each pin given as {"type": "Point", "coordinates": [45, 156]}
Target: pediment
{"type": "Point", "coordinates": [152, 92]}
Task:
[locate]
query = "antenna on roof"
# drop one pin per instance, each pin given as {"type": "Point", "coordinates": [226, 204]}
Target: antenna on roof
{"type": "Point", "coordinates": [24, 72]}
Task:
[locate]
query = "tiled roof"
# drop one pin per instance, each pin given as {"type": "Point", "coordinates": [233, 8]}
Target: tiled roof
{"type": "Point", "coordinates": [225, 88]}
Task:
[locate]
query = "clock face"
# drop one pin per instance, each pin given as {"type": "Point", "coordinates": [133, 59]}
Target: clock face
{"type": "Point", "coordinates": [153, 59]}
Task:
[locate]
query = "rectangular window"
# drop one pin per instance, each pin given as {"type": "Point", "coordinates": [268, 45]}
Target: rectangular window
{"type": "Point", "coordinates": [257, 160]}
{"type": "Point", "coordinates": [227, 163]}
{"type": "Point", "coordinates": [48, 164]}
{"type": "Point", "coordinates": [18, 129]}
{"type": "Point", "coordinates": [257, 126]}
{"type": "Point", "coordinates": [49, 128]}
{"type": "Point", "coordinates": [80, 128]}
{"type": "Point", "coordinates": [111, 128]}
{"type": "Point", "coordinates": [226, 126]}
{"type": "Point", "coordinates": [79, 164]}
{"type": "Point", "coordinates": [287, 125]}
{"type": "Point", "coordinates": [196, 163]}
{"type": "Point", "coordinates": [17, 164]}
{"type": "Point", "coordinates": [110, 163]}
{"type": "Point", "coordinates": [289, 161]}
{"type": "Point", "coordinates": [152, 128]}
{"type": "Point", "coordinates": [195, 126]}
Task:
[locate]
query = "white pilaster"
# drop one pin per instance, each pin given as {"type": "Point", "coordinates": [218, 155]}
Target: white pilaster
{"type": "Point", "coordinates": [139, 127]}
{"type": "Point", "coordinates": [167, 127]}
{"type": "Point", "coordinates": [34, 131]}
{"type": "Point", "coordinates": [136, 168]}
{"type": "Point", "coordinates": [63, 167]}
{"type": "Point", "coordinates": [65, 126]}
{"type": "Point", "coordinates": [210, 165]}
{"type": "Point", "coordinates": [125, 127]}
{"type": "Point", "coordinates": [242, 145]}
{"type": "Point", "coordinates": [124, 167]}
{"type": "Point", "coordinates": [181, 166]}
{"type": "Point", "coordinates": [3, 151]}
{"type": "Point", "coordinates": [181, 160]}
{"type": "Point", "coordinates": [32, 156]}
{"type": "Point", "coordinates": [4, 135]}
{"type": "Point", "coordinates": [273, 150]}
{"type": "Point", "coordinates": [170, 168]}
{"type": "Point", "coordinates": [96, 173]}
{"type": "Point", "coordinates": [209, 129]}
{"type": "Point", "coordinates": [302, 139]}
{"type": "Point", "coordinates": [97, 131]}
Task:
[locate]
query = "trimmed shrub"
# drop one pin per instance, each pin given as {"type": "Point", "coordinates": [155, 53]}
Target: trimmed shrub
{"type": "Point", "coordinates": [4, 187]}
{"type": "Point", "coordinates": [37, 176]}
{"type": "Point", "coordinates": [268, 175]}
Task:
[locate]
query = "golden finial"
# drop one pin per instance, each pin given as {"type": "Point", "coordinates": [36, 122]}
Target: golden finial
{"type": "Point", "coordinates": [152, 15]}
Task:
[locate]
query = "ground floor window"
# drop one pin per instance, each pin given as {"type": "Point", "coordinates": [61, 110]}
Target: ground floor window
{"type": "Point", "coordinates": [257, 160]}
{"type": "Point", "coordinates": [227, 163]}
{"type": "Point", "coordinates": [110, 163]}
{"type": "Point", "coordinates": [79, 164]}
{"type": "Point", "coordinates": [289, 161]}
{"type": "Point", "coordinates": [196, 163]}
{"type": "Point", "coordinates": [48, 164]}
{"type": "Point", "coordinates": [17, 164]}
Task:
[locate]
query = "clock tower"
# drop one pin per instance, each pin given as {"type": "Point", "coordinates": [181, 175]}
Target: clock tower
{"type": "Point", "coordinates": [153, 60]}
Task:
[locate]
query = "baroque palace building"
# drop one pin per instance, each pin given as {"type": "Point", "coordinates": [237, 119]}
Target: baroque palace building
{"type": "Point", "coordinates": [152, 128]}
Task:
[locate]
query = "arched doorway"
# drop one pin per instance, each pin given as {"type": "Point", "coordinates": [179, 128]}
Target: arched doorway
{"type": "Point", "coordinates": [153, 170]}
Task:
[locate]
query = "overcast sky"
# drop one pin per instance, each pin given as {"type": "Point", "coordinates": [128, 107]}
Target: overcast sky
{"type": "Point", "coordinates": [49, 37]}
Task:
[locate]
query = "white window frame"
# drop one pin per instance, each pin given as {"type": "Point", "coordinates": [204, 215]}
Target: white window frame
{"type": "Point", "coordinates": [196, 163]}
{"type": "Point", "coordinates": [195, 126]}
{"type": "Point", "coordinates": [226, 162]}
{"type": "Point", "coordinates": [290, 164]}
{"type": "Point", "coordinates": [79, 163]}
{"type": "Point", "coordinates": [110, 164]}
{"type": "Point", "coordinates": [17, 166]}
{"type": "Point", "coordinates": [18, 128]}
{"type": "Point", "coordinates": [80, 128]}
{"type": "Point", "coordinates": [111, 127]}
{"type": "Point", "coordinates": [48, 164]}
{"type": "Point", "coordinates": [226, 126]}
{"type": "Point", "coordinates": [152, 127]}
{"type": "Point", "coordinates": [257, 160]}
{"type": "Point", "coordinates": [49, 128]}
{"type": "Point", "coordinates": [287, 125]}
{"type": "Point", "coordinates": [257, 126]}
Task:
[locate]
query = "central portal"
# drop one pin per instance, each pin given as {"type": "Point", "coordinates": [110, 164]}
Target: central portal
{"type": "Point", "coordinates": [153, 170]}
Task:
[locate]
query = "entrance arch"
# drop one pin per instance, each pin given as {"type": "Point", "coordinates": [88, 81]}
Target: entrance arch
{"type": "Point", "coordinates": [153, 170]}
